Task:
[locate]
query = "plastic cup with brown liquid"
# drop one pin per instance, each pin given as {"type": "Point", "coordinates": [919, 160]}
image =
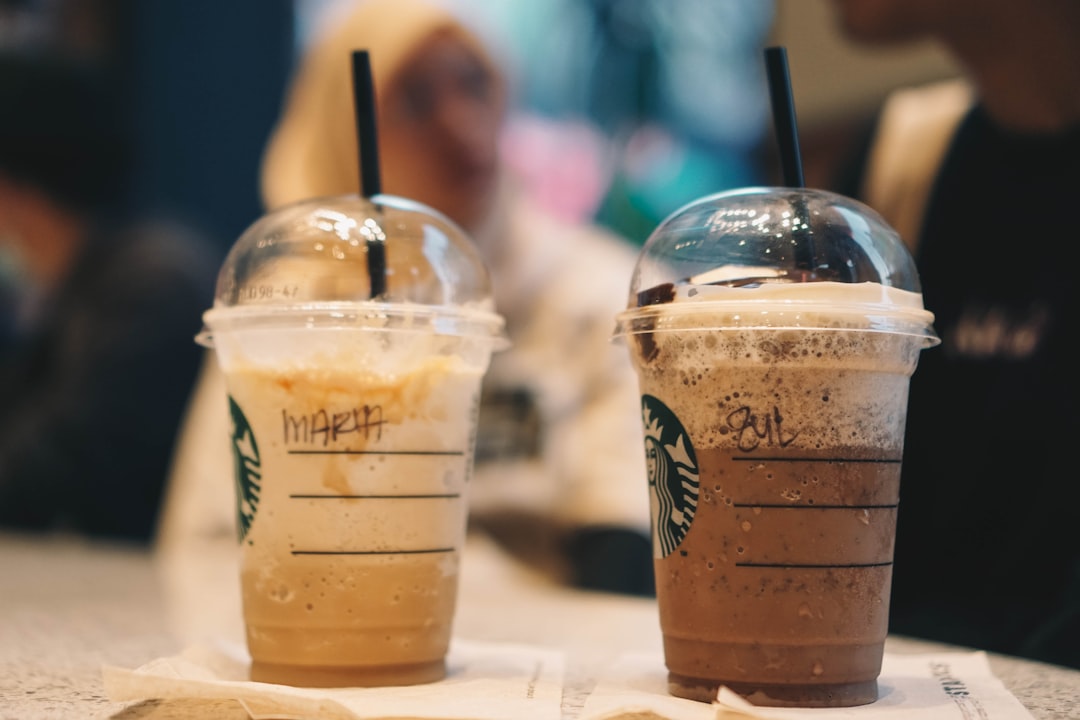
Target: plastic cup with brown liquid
{"type": "Point", "coordinates": [774, 332]}
{"type": "Point", "coordinates": [354, 415]}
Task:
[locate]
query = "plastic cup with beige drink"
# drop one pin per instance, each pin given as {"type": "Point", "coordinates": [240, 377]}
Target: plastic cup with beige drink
{"type": "Point", "coordinates": [353, 412]}
{"type": "Point", "coordinates": [774, 332]}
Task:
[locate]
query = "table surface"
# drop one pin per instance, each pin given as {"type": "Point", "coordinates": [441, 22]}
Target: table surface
{"type": "Point", "coordinates": [68, 606]}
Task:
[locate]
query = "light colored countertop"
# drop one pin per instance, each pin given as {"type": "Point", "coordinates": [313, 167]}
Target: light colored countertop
{"type": "Point", "coordinates": [69, 606]}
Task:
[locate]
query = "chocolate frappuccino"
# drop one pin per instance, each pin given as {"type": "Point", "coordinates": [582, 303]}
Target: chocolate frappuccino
{"type": "Point", "coordinates": [773, 408]}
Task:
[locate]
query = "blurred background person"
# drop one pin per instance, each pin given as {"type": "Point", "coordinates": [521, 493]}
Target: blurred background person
{"type": "Point", "coordinates": [560, 476]}
{"type": "Point", "coordinates": [98, 309]}
{"type": "Point", "coordinates": [625, 110]}
{"type": "Point", "coordinates": [979, 175]}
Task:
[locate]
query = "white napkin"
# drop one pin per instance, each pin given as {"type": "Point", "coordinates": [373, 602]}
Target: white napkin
{"type": "Point", "coordinates": [484, 681]}
{"type": "Point", "coordinates": [939, 686]}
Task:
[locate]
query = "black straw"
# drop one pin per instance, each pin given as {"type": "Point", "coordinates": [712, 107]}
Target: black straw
{"type": "Point", "coordinates": [787, 138]}
{"type": "Point", "coordinates": [364, 99]}
{"type": "Point", "coordinates": [783, 110]}
{"type": "Point", "coordinates": [370, 179]}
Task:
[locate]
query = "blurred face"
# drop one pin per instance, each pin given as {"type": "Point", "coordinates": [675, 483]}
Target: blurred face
{"type": "Point", "coordinates": [439, 122]}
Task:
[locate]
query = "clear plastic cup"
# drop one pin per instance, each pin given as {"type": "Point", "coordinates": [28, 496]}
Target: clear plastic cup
{"type": "Point", "coordinates": [774, 332]}
{"type": "Point", "coordinates": [353, 428]}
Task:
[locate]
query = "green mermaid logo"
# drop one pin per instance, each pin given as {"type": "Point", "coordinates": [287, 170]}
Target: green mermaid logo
{"type": "Point", "coordinates": [673, 476]}
{"type": "Point", "coordinates": [247, 469]}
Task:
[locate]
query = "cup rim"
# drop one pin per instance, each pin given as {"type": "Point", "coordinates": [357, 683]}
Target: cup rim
{"type": "Point", "coordinates": [365, 316]}
{"type": "Point", "coordinates": [777, 315]}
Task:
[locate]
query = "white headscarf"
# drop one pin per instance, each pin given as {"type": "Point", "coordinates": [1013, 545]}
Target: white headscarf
{"type": "Point", "coordinates": [312, 151]}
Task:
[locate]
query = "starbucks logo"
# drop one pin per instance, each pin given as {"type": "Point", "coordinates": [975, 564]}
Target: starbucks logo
{"type": "Point", "coordinates": [673, 476]}
{"type": "Point", "coordinates": [247, 469]}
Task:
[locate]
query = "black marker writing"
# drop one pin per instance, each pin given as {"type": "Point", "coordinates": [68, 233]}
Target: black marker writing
{"type": "Point", "coordinates": [752, 431]}
{"type": "Point", "coordinates": [324, 427]}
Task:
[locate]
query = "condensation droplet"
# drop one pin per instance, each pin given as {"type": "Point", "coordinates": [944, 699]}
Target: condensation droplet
{"type": "Point", "coordinates": [745, 525]}
{"type": "Point", "coordinates": [818, 669]}
{"type": "Point", "coordinates": [805, 612]}
{"type": "Point", "coordinates": [864, 517]}
{"type": "Point", "coordinates": [757, 511]}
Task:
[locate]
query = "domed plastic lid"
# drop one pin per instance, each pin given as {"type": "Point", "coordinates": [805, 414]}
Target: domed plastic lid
{"type": "Point", "coordinates": [353, 262]}
{"type": "Point", "coordinates": [796, 255]}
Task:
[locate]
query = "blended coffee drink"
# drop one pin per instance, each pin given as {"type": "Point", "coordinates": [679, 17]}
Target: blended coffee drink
{"type": "Point", "coordinates": [773, 413]}
{"type": "Point", "coordinates": [368, 472]}
{"type": "Point", "coordinates": [353, 429]}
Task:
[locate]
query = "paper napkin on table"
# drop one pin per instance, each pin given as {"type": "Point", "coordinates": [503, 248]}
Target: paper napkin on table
{"type": "Point", "coordinates": [938, 686]}
{"type": "Point", "coordinates": [484, 681]}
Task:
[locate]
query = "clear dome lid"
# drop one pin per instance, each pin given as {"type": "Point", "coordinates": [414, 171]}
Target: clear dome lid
{"type": "Point", "coordinates": [792, 247]}
{"type": "Point", "coordinates": [350, 261]}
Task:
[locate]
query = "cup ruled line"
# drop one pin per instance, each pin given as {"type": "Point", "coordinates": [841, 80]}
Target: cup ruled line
{"type": "Point", "coordinates": [437, 453]}
{"type": "Point", "coordinates": [804, 506]}
{"type": "Point", "coordinates": [416, 551]}
{"type": "Point", "coordinates": [329, 496]}
{"type": "Point", "coordinates": [813, 566]}
{"type": "Point", "coordinates": [794, 459]}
